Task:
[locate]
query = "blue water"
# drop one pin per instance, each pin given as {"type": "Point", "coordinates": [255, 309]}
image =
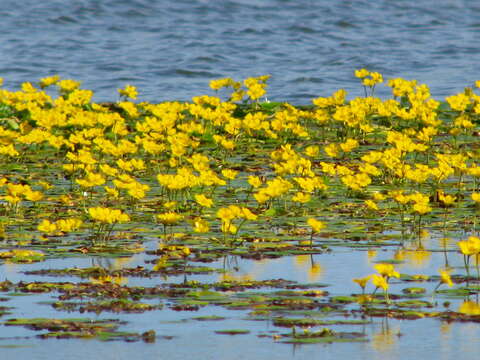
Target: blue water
{"type": "Point", "coordinates": [170, 50]}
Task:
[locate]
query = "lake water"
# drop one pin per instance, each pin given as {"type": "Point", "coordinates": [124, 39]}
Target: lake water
{"type": "Point", "coordinates": [171, 50]}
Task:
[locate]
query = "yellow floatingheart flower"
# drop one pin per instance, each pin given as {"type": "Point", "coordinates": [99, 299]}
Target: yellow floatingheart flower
{"type": "Point", "coordinates": [107, 215]}
{"type": "Point", "coordinates": [361, 73]}
{"type": "Point", "coordinates": [68, 85]}
{"type": "Point", "coordinates": [476, 197]}
{"type": "Point", "coordinates": [301, 197]}
{"type": "Point", "coordinates": [254, 181]}
{"type": "Point", "coordinates": [445, 277]}
{"type": "Point", "coordinates": [371, 204]}
{"type": "Point", "coordinates": [447, 200]}
{"type": "Point", "coordinates": [169, 218]}
{"type": "Point", "coordinates": [221, 83]}
{"type": "Point", "coordinates": [47, 227]}
{"type": "Point", "coordinates": [230, 174]}
{"type": "Point", "coordinates": [204, 201]}
{"type": "Point", "coordinates": [200, 225]}
{"type": "Point", "coordinates": [47, 81]}
{"type": "Point", "coordinates": [315, 224]}
{"type": "Point", "coordinates": [68, 225]}
{"type": "Point", "coordinates": [469, 247]}
{"type": "Point", "coordinates": [469, 308]}
{"type": "Point", "coordinates": [129, 92]}
{"type": "Point", "coordinates": [362, 282]}
{"type": "Point", "coordinates": [380, 282]}
{"type": "Point", "coordinates": [387, 270]}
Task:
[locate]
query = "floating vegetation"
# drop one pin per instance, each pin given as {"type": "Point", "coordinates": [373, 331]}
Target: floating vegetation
{"type": "Point", "coordinates": [105, 330]}
{"type": "Point", "coordinates": [324, 335]}
{"type": "Point", "coordinates": [233, 332]}
{"type": "Point", "coordinates": [177, 197]}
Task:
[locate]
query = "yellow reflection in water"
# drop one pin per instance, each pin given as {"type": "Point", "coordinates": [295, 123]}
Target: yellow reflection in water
{"type": "Point", "coordinates": [386, 338]}
{"type": "Point", "coordinates": [119, 280]}
{"type": "Point", "coordinates": [307, 263]}
{"type": "Point", "coordinates": [417, 258]}
{"type": "Point", "coordinates": [231, 276]}
{"type": "Point", "coordinates": [235, 273]}
{"type": "Point", "coordinates": [119, 263]}
{"type": "Point", "coordinates": [370, 255]}
{"type": "Point", "coordinates": [469, 307]}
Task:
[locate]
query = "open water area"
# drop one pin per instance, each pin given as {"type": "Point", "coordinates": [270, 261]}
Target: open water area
{"type": "Point", "coordinates": [170, 50]}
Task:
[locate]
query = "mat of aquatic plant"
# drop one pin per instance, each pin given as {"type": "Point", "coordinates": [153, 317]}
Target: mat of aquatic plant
{"type": "Point", "coordinates": [130, 207]}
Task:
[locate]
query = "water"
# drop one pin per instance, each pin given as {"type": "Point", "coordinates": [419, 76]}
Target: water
{"type": "Point", "coordinates": [171, 50]}
{"type": "Point", "coordinates": [388, 338]}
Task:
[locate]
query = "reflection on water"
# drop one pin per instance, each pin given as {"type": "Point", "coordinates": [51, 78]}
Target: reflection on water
{"type": "Point", "coordinates": [417, 258]}
{"type": "Point", "coordinates": [310, 266]}
{"type": "Point", "coordinates": [385, 338]}
{"type": "Point", "coordinates": [470, 307]}
{"type": "Point", "coordinates": [388, 338]}
{"type": "Point", "coordinates": [170, 50]}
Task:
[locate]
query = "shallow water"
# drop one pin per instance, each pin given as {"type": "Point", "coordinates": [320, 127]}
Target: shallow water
{"type": "Point", "coordinates": [388, 338]}
{"type": "Point", "coordinates": [171, 50]}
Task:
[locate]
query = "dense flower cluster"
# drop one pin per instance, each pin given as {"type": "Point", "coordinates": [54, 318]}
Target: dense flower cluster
{"type": "Point", "coordinates": [225, 164]}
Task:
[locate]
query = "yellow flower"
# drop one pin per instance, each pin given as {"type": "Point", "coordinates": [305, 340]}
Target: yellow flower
{"type": "Point", "coordinates": [421, 208]}
{"type": "Point", "coordinates": [229, 174]}
{"type": "Point", "coordinates": [301, 197]}
{"type": "Point", "coordinates": [362, 281]}
{"type": "Point", "coordinates": [315, 224]}
{"type": "Point", "coordinates": [220, 83]}
{"type": "Point", "coordinates": [200, 225]}
{"type": "Point", "coordinates": [247, 214]}
{"type": "Point", "coordinates": [362, 73]}
{"type": "Point", "coordinates": [45, 82]}
{"type": "Point", "coordinates": [47, 227]}
{"type": "Point", "coordinates": [91, 180]}
{"type": "Point", "coordinates": [312, 151]}
{"type": "Point", "coordinates": [469, 308]}
{"type": "Point", "coordinates": [445, 277]}
{"type": "Point", "coordinates": [186, 251]}
{"type": "Point", "coordinates": [380, 282]}
{"type": "Point", "coordinates": [458, 102]}
{"type": "Point", "coordinates": [447, 200]}
{"type": "Point", "coordinates": [331, 150]}
{"type": "Point", "coordinates": [476, 197]}
{"type": "Point", "coordinates": [33, 195]}
{"type": "Point", "coordinates": [111, 191]}
{"type": "Point", "coordinates": [202, 200]}
{"type": "Point", "coordinates": [129, 92]}
{"type": "Point", "coordinates": [138, 190]}
{"type": "Point", "coordinates": [228, 227]}
{"type": "Point", "coordinates": [371, 204]}
{"type": "Point", "coordinates": [468, 247]}
{"type": "Point", "coordinates": [349, 145]}
{"type": "Point", "coordinates": [387, 270]}
{"type": "Point", "coordinates": [68, 225]}
{"type": "Point", "coordinates": [254, 181]}
{"type": "Point", "coordinates": [170, 204]}
{"type": "Point", "coordinates": [67, 86]}
{"type": "Point", "coordinates": [261, 197]}
{"type": "Point", "coordinates": [108, 216]}
{"type": "Point", "coordinates": [169, 218]}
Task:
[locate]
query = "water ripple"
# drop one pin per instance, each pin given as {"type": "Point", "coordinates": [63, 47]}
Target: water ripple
{"type": "Point", "coordinates": [309, 47]}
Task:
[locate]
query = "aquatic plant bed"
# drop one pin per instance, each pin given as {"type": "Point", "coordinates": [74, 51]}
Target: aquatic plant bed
{"type": "Point", "coordinates": [319, 222]}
